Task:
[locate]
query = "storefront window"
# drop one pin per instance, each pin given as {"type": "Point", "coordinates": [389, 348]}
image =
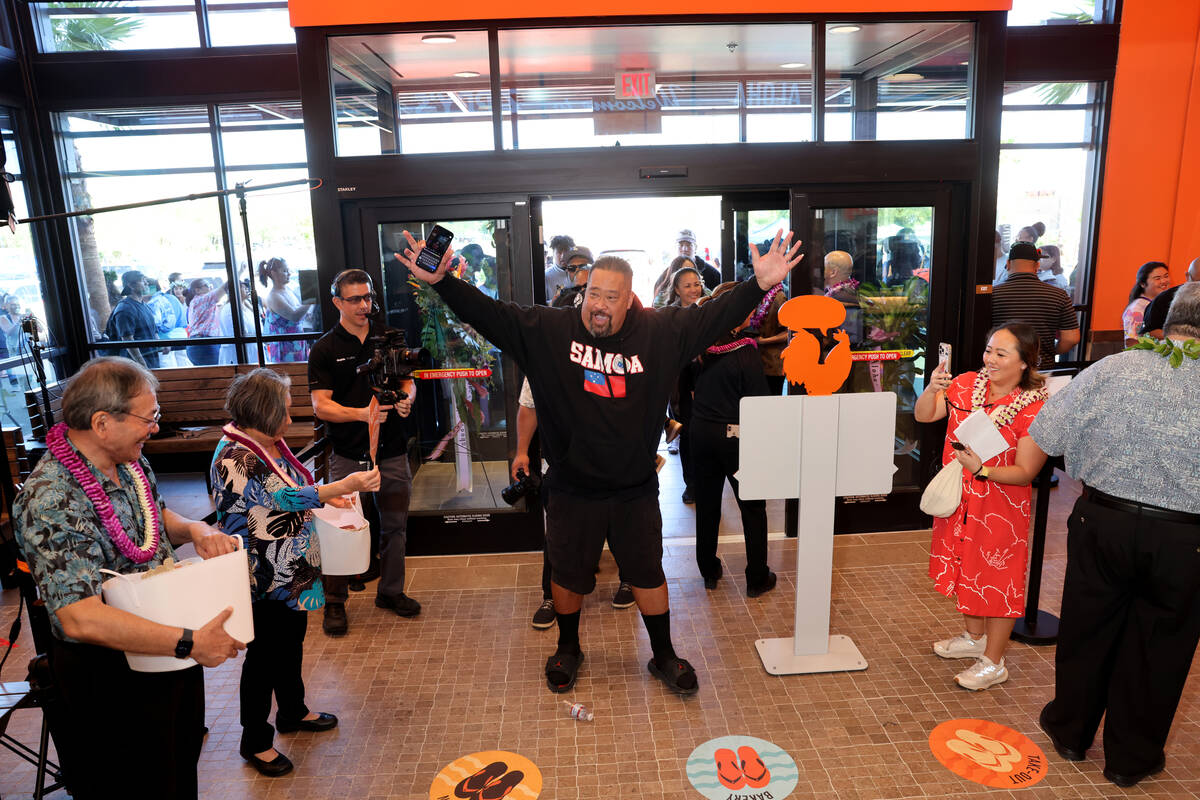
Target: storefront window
{"type": "Point", "coordinates": [897, 80]}
{"type": "Point", "coordinates": [411, 93]}
{"type": "Point", "coordinates": [115, 25]}
{"type": "Point", "coordinates": [249, 22]}
{"type": "Point", "coordinates": [21, 296]}
{"type": "Point", "coordinates": [263, 144]}
{"type": "Point", "coordinates": [655, 85]}
{"type": "Point", "coordinates": [173, 257]}
{"type": "Point", "coordinates": [1047, 156]}
{"type": "Point", "coordinates": [1054, 12]}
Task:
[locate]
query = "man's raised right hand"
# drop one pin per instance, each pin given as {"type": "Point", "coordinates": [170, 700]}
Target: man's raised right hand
{"type": "Point", "coordinates": [409, 259]}
{"type": "Point", "coordinates": [211, 645]}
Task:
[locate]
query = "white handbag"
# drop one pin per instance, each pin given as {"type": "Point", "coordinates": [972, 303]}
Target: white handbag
{"type": "Point", "coordinates": [943, 495]}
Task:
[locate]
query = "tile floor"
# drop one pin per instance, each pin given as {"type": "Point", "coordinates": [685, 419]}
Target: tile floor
{"type": "Point", "coordinates": [466, 676]}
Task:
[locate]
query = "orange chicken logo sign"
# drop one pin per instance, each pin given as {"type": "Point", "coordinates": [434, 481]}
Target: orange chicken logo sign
{"type": "Point", "coordinates": [802, 357]}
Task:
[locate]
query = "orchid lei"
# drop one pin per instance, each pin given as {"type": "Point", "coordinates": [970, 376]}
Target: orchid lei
{"type": "Point", "coordinates": [1003, 415]}
{"type": "Point", "coordinates": [720, 349]}
{"type": "Point", "coordinates": [761, 312]}
{"type": "Point", "coordinates": [837, 287]}
{"type": "Point", "coordinates": [56, 441]}
{"type": "Point", "coordinates": [239, 436]}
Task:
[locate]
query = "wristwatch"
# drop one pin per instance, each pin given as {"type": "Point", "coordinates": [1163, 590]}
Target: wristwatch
{"type": "Point", "coordinates": [183, 648]}
{"type": "Point", "coordinates": [983, 473]}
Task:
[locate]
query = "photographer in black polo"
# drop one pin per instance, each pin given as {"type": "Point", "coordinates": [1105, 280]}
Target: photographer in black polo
{"type": "Point", "coordinates": [340, 397]}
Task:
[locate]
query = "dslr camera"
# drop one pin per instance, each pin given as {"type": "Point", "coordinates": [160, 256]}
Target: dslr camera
{"type": "Point", "coordinates": [391, 363]}
{"type": "Point", "coordinates": [522, 486]}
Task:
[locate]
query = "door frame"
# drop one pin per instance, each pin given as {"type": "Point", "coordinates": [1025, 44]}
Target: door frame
{"type": "Point", "coordinates": [441, 532]}
{"type": "Point", "coordinates": [948, 321]}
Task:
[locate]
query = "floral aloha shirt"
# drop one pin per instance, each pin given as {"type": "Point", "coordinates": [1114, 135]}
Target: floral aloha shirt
{"type": "Point", "coordinates": [63, 539]}
{"type": "Point", "coordinates": [274, 520]}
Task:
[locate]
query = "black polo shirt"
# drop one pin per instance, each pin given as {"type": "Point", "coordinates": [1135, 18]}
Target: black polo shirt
{"type": "Point", "coordinates": [331, 366]}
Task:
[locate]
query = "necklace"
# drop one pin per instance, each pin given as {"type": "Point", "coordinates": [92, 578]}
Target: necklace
{"type": "Point", "coordinates": [761, 312]}
{"type": "Point", "coordinates": [1169, 349]}
{"type": "Point", "coordinates": [1003, 415]}
{"type": "Point", "coordinates": [239, 436]}
{"type": "Point", "coordinates": [56, 441]}
{"type": "Point", "coordinates": [849, 283]}
{"type": "Point", "coordinates": [720, 349]}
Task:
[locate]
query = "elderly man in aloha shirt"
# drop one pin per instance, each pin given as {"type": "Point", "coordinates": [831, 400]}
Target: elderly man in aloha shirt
{"type": "Point", "coordinates": [92, 503]}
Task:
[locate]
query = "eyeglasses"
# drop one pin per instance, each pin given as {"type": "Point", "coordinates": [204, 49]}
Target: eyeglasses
{"type": "Point", "coordinates": [368, 298]}
{"type": "Point", "coordinates": [147, 420]}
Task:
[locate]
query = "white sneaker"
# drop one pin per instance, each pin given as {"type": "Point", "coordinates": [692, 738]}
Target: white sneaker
{"type": "Point", "coordinates": [961, 646]}
{"type": "Point", "coordinates": [982, 674]}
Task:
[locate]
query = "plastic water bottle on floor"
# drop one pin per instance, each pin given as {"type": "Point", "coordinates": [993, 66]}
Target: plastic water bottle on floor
{"type": "Point", "coordinates": [578, 711]}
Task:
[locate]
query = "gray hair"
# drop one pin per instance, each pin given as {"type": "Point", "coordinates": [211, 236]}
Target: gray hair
{"type": "Point", "coordinates": [107, 383]}
{"type": "Point", "coordinates": [1183, 318]}
{"type": "Point", "coordinates": [259, 400]}
{"type": "Point", "coordinates": [614, 264]}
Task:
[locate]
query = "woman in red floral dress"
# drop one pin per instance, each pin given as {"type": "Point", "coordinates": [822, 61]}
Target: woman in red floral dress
{"type": "Point", "coordinates": [979, 552]}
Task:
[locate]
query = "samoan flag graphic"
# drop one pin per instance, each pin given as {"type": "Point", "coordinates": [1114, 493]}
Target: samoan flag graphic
{"type": "Point", "coordinates": [596, 383]}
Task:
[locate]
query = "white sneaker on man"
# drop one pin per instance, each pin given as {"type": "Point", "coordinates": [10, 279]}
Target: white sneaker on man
{"type": "Point", "coordinates": [961, 646]}
{"type": "Point", "coordinates": [982, 674]}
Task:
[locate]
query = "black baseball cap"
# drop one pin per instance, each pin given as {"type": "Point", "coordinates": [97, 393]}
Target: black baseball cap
{"type": "Point", "coordinates": [1024, 251]}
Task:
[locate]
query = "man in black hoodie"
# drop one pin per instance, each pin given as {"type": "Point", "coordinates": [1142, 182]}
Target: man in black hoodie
{"type": "Point", "coordinates": [600, 376]}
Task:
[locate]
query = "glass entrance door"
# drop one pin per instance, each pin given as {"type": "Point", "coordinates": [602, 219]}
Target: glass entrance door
{"type": "Point", "coordinates": [884, 257]}
{"type": "Point", "coordinates": [460, 448]}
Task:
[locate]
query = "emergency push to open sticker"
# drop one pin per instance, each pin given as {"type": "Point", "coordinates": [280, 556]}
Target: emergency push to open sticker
{"type": "Point", "coordinates": [988, 753]}
{"type": "Point", "coordinates": [742, 768]}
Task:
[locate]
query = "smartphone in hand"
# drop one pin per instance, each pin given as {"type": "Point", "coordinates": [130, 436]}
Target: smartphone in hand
{"type": "Point", "coordinates": [944, 356]}
{"type": "Point", "coordinates": [435, 247]}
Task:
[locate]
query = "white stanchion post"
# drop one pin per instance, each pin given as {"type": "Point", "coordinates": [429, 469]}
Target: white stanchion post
{"type": "Point", "coordinates": [844, 445]}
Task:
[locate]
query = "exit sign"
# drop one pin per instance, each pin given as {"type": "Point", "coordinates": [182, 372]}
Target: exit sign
{"type": "Point", "coordinates": [635, 84]}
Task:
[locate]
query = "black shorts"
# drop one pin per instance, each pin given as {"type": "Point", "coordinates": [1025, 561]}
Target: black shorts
{"type": "Point", "coordinates": [576, 529]}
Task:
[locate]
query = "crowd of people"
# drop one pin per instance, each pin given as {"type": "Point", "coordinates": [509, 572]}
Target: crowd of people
{"type": "Point", "coordinates": [186, 311]}
{"type": "Point", "coordinates": [1131, 601]}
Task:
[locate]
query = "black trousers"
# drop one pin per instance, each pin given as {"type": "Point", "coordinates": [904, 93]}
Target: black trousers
{"type": "Point", "coordinates": [714, 461]}
{"type": "Point", "coordinates": [775, 384]}
{"type": "Point", "coordinates": [128, 734]}
{"type": "Point", "coordinates": [272, 665]}
{"type": "Point", "coordinates": [1130, 625]}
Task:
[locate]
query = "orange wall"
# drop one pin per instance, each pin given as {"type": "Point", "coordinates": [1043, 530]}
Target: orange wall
{"type": "Point", "coordinates": [1151, 203]}
{"type": "Point", "coordinates": [360, 12]}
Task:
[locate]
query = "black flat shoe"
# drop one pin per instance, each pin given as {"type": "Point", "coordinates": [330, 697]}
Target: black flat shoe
{"type": "Point", "coordinates": [764, 587]}
{"type": "Point", "coordinates": [1125, 781]}
{"type": "Point", "coordinates": [323, 722]}
{"type": "Point", "coordinates": [279, 765]}
{"type": "Point", "coordinates": [1068, 753]}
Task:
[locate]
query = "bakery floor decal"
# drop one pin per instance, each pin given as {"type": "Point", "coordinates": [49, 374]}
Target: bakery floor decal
{"type": "Point", "coordinates": [742, 768]}
{"type": "Point", "coordinates": [988, 753]}
{"type": "Point", "coordinates": [491, 775]}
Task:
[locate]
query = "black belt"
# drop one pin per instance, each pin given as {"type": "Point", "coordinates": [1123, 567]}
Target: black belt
{"type": "Point", "coordinates": [1145, 509]}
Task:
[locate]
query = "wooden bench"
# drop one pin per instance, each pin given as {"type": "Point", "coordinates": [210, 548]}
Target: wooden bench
{"type": "Point", "coordinates": [192, 402]}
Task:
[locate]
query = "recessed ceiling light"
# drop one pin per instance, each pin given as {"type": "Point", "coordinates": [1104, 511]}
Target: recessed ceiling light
{"type": "Point", "coordinates": [963, 63]}
{"type": "Point", "coordinates": [843, 29]}
{"type": "Point", "coordinates": [438, 38]}
{"type": "Point", "coordinates": [793, 65]}
{"type": "Point", "coordinates": [466, 74]}
{"type": "Point", "coordinates": [905, 77]}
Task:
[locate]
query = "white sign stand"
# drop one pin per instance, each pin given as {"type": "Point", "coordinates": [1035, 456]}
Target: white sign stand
{"type": "Point", "coordinates": [816, 448]}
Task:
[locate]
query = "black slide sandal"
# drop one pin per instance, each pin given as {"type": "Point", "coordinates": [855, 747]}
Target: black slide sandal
{"type": "Point", "coordinates": [563, 665]}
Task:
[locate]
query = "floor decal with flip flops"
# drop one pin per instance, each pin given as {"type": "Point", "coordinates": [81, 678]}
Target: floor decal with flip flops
{"type": "Point", "coordinates": [988, 753]}
{"type": "Point", "coordinates": [742, 768]}
{"type": "Point", "coordinates": [490, 775]}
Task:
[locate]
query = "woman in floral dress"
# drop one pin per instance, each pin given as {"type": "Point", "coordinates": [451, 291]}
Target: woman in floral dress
{"type": "Point", "coordinates": [979, 552]}
{"type": "Point", "coordinates": [283, 312]}
{"type": "Point", "coordinates": [265, 496]}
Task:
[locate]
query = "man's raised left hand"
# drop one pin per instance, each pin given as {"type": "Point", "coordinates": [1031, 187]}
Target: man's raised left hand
{"type": "Point", "coordinates": [773, 266]}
